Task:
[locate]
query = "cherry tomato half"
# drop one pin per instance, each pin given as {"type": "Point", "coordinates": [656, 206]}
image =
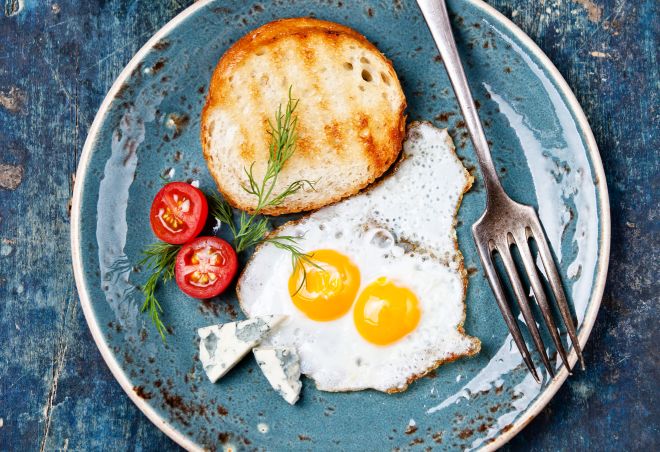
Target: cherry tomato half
{"type": "Point", "coordinates": [205, 267]}
{"type": "Point", "coordinates": [178, 213]}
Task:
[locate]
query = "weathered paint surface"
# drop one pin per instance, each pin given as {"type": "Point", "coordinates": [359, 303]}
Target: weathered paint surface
{"type": "Point", "coordinates": [58, 59]}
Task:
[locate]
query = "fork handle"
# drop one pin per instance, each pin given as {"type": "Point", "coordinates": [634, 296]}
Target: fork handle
{"type": "Point", "coordinates": [437, 18]}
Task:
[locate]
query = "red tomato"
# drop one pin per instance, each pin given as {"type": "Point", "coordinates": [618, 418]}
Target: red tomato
{"type": "Point", "coordinates": [205, 267]}
{"type": "Point", "coordinates": [178, 213]}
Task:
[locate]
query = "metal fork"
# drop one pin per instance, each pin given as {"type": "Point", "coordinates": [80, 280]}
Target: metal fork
{"type": "Point", "coordinates": [505, 223]}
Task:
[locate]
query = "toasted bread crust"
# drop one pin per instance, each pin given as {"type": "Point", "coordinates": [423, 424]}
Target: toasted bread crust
{"type": "Point", "coordinates": [344, 151]}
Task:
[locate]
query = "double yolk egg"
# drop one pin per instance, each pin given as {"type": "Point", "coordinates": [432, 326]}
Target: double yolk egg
{"type": "Point", "coordinates": [325, 287]}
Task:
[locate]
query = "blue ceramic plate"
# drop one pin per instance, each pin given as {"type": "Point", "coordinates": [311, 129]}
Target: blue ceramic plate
{"type": "Point", "coordinates": [148, 126]}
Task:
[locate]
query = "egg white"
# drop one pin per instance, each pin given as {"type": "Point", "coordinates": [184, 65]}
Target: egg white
{"type": "Point", "coordinates": [402, 229]}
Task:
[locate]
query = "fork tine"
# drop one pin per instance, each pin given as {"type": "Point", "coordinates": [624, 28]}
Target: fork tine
{"type": "Point", "coordinates": [539, 294]}
{"type": "Point", "coordinates": [511, 323]}
{"type": "Point", "coordinates": [521, 296]}
{"type": "Point", "coordinates": [555, 283]}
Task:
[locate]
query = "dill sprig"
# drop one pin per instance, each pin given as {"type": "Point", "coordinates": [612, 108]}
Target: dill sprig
{"type": "Point", "coordinates": [221, 211]}
{"type": "Point", "coordinates": [251, 232]}
{"type": "Point", "coordinates": [253, 228]}
{"type": "Point", "coordinates": [159, 259]}
{"type": "Point", "coordinates": [258, 233]}
{"type": "Point", "coordinates": [289, 243]}
{"type": "Point", "coordinates": [283, 137]}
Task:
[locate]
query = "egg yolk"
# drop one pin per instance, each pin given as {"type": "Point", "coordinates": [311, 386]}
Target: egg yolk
{"type": "Point", "coordinates": [385, 312]}
{"type": "Point", "coordinates": [325, 288]}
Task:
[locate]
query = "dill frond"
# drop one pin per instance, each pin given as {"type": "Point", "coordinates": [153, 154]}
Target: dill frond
{"type": "Point", "coordinates": [281, 148]}
{"type": "Point", "coordinates": [251, 232]}
{"type": "Point", "coordinates": [159, 259]}
{"type": "Point", "coordinates": [252, 229]}
{"type": "Point", "coordinates": [222, 211]}
{"type": "Point", "coordinates": [298, 257]}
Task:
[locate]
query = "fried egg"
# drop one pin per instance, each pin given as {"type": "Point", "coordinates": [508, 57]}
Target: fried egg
{"type": "Point", "coordinates": [381, 299]}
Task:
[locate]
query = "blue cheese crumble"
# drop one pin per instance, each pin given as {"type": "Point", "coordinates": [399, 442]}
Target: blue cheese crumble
{"type": "Point", "coordinates": [281, 366]}
{"type": "Point", "coordinates": [222, 346]}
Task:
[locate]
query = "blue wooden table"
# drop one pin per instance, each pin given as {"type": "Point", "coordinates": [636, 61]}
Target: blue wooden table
{"type": "Point", "coordinates": [59, 57]}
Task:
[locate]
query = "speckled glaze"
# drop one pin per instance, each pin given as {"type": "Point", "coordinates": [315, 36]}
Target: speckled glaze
{"type": "Point", "coordinates": [148, 127]}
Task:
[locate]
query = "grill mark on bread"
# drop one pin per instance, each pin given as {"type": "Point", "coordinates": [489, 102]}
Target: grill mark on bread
{"type": "Point", "coordinates": [334, 134]}
{"type": "Point", "coordinates": [247, 151]}
{"type": "Point", "coordinates": [277, 59]}
{"type": "Point", "coordinates": [255, 90]}
{"type": "Point", "coordinates": [309, 55]}
{"type": "Point", "coordinates": [371, 150]}
{"type": "Point", "coordinates": [332, 105]}
{"type": "Point", "coordinates": [303, 145]}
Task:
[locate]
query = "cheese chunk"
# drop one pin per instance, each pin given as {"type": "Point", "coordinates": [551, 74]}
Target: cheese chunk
{"type": "Point", "coordinates": [222, 346]}
{"type": "Point", "coordinates": [281, 366]}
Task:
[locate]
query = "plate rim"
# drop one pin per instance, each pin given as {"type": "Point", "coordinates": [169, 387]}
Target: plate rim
{"type": "Point", "coordinates": [562, 86]}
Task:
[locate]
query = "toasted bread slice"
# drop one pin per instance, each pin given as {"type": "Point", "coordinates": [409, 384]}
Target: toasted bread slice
{"type": "Point", "coordinates": [350, 112]}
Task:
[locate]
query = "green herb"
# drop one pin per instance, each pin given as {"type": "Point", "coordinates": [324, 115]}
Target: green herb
{"type": "Point", "coordinates": [288, 243]}
{"type": "Point", "coordinates": [221, 211]}
{"type": "Point", "coordinates": [253, 228]}
{"type": "Point", "coordinates": [159, 258]}
{"type": "Point", "coordinates": [282, 146]}
{"type": "Point", "coordinates": [257, 233]}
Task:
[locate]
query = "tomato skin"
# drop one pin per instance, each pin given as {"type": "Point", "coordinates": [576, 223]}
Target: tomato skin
{"type": "Point", "coordinates": [178, 213]}
{"type": "Point", "coordinates": [205, 267]}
